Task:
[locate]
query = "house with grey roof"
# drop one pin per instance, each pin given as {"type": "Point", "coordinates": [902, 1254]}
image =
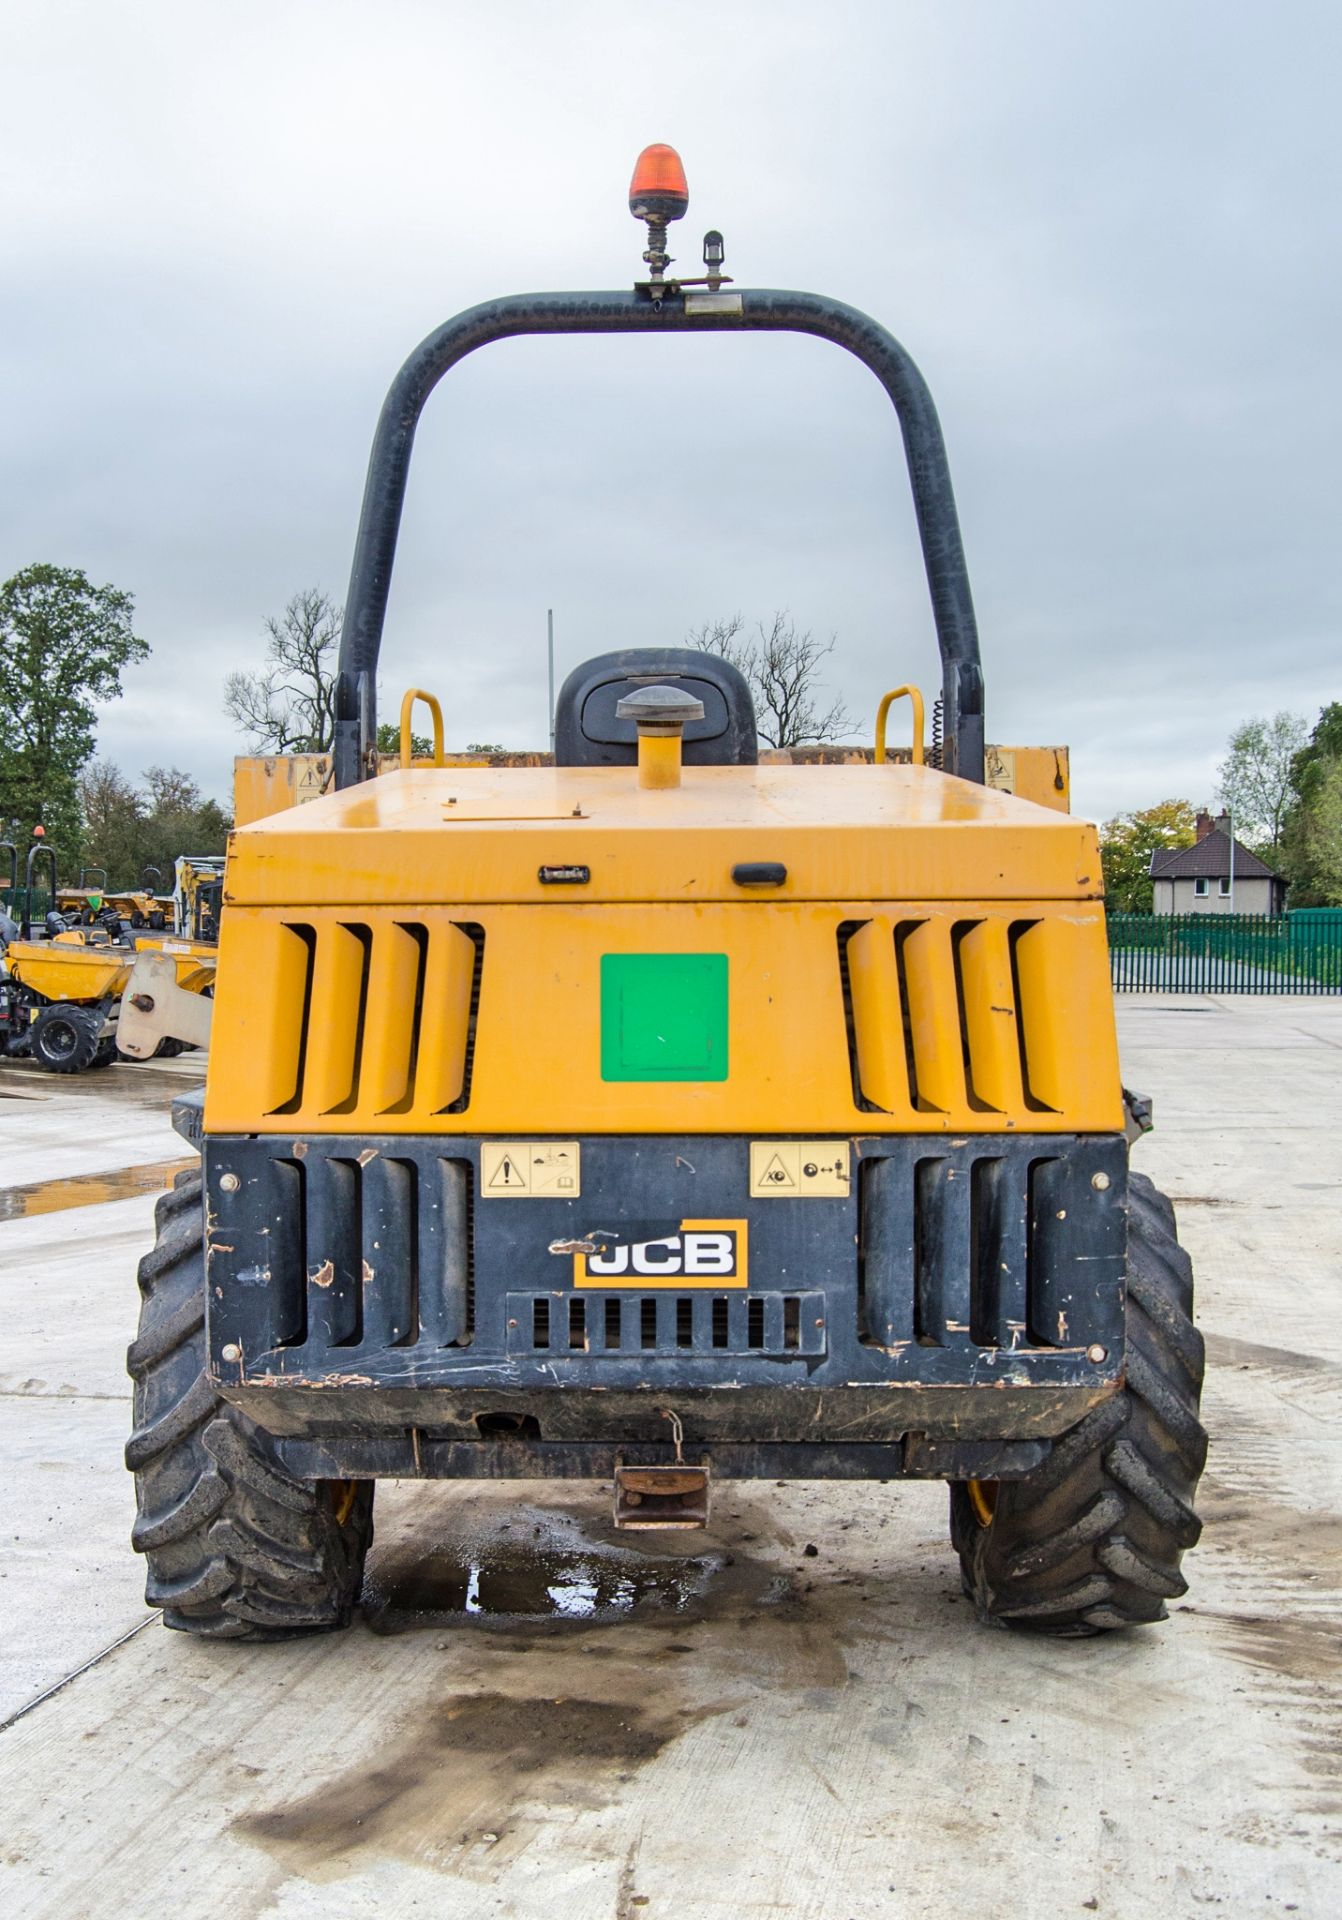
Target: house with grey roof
{"type": "Point", "coordinates": [1215, 875]}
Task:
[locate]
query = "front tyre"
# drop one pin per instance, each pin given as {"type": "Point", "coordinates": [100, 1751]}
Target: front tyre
{"type": "Point", "coordinates": [64, 1039]}
{"type": "Point", "coordinates": [1093, 1538]}
{"type": "Point", "coordinates": [237, 1548]}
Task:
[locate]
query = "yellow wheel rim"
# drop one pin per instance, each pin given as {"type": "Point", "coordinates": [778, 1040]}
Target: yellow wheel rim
{"type": "Point", "coordinates": [343, 1492]}
{"type": "Point", "coordinates": [983, 1499]}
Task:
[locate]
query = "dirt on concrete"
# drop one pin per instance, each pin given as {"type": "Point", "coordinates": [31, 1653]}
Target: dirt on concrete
{"type": "Point", "coordinates": [792, 1714]}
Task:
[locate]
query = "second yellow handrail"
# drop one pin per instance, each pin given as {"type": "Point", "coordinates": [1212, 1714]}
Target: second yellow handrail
{"type": "Point", "coordinates": [916, 698]}
{"type": "Point", "coordinates": [407, 708]}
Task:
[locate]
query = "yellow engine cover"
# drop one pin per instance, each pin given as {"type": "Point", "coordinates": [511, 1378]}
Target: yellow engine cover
{"type": "Point", "coordinates": [392, 960]}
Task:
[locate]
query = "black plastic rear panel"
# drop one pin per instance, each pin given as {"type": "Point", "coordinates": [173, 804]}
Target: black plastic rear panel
{"type": "Point", "coordinates": [982, 1262]}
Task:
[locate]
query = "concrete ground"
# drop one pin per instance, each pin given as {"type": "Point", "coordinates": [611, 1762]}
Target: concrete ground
{"type": "Point", "coordinates": [792, 1715]}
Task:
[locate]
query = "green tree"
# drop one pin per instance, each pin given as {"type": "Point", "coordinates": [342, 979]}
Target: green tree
{"type": "Point", "coordinates": [114, 814]}
{"type": "Point", "coordinates": [289, 707]}
{"type": "Point", "coordinates": [1312, 836]}
{"type": "Point", "coordinates": [1324, 745]}
{"type": "Point", "coordinates": [1254, 780]}
{"type": "Point", "coordinates": [389, 741]}
{"type": "Point", "coordinates": [1314, 841]}
{"type": "Point", "coordinates": [128, 829]}
{"type": "Point", "coordinates": [179, 820]}
{"type": "Point", "coordinates": [1127, 843]}
{"type": "Point", "coordinates": [64, 645]}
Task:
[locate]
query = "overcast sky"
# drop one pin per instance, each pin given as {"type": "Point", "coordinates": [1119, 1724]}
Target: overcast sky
{"type": "Point", "coordinates": [1108, 234]}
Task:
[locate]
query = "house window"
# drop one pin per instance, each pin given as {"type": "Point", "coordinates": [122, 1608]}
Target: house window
{"type": "Point", "coordinates": [1225, 889]}
{"type": "Point", "coordinates": [1200, 886]}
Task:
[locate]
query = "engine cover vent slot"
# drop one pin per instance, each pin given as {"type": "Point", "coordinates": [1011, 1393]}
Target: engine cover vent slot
{"type": "Point", "coordinates": [964, 1020]}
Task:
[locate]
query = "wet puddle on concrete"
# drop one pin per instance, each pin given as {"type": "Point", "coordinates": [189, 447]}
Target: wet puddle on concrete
{"type": "Point", "coordinates": [562, 1659]}
{"type": "Point", "coordinates": [89, 1189]}
{"type": "Point", "coordinates": [147, 1086]}
{"type": "Point", "coordinates": [536, 1566]}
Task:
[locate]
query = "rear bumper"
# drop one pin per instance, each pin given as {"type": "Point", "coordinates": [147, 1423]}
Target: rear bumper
{"type": "Point", "coordinates": [371, 1294]}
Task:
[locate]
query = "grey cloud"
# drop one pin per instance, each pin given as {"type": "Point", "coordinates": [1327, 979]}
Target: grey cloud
{"type": "Point", "coordinates": [1107, 235]}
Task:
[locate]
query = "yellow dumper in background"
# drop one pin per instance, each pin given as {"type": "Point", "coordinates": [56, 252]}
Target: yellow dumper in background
{"type": "Point", "coordinates": [60, 999]}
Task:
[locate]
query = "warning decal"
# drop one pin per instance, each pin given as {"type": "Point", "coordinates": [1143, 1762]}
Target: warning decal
{"type": "Point", "coordinates": [800, 1169]}
{"type": "Point", "coordinates": [776, 1176]}
{"type": "Point", "coordinates": [311, 782]}
{"type": "Point", "coordinates": [530, 1169]}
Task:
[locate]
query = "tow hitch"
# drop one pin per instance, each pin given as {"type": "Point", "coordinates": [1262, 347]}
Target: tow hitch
{"type": "Point", "coordinates": [674, 1496]}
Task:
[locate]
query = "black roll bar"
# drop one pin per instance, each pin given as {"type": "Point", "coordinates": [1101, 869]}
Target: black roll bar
{"type": "Point", "coordinates": [585, 313]}
{"type": "Point", "coordinates": [7, 846]}
{"type": "Point", "coordinates": [38, 851]}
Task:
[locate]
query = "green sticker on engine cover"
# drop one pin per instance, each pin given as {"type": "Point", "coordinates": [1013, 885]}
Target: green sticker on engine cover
{"type": "Point", "coordinates": [663, 1016]}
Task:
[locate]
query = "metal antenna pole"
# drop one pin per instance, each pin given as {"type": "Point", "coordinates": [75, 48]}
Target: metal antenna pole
{"type": "Point", "coordinates": [550, 624]}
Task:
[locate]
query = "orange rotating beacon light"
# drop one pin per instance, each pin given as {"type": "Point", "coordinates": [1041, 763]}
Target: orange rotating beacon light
{"type": "Point", "coordinates": [658, 194]}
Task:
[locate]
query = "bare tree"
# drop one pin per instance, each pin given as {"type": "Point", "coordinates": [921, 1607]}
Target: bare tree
{"type": "Point", "coordinates": [289, 707]}
{"type": "Point", "coordinates": [1254, 780]}
{"type": "Point", "coordinates": [781, 667]}
{"type": "Point", "coordinates": [171, 790]}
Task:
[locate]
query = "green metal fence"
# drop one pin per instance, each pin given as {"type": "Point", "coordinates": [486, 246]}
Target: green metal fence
{"type": "Point", "coordinates": [1227, 952]}
{"type": "Point", "coordinates": [12, 899]}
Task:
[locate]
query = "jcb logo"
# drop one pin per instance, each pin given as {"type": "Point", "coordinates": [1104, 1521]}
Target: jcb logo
{"type": "Point", "coordinates": [698, 1253]}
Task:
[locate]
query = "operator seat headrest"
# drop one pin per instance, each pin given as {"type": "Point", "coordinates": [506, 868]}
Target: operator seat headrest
{"type": "Point", "coordinates": [588, 733]}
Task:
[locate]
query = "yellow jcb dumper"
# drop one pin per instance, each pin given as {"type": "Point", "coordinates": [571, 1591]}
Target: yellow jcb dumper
{"type": "Point", "coordinates": [60, 999]}
{"type": "Point", "coordinates": [61, 993]}
{"type": "Point", "coordinates": [92, 904]}
{"type": "Point", "coordinates": [661, 1115]}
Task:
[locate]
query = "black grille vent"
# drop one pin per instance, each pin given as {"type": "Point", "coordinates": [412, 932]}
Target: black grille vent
{"type": "Point", "coordinates": [365, 1253]}
{"type": "Point", "coordinates": [977, 1251]}
{"type": "Point", "coordinates": [775, 1324]}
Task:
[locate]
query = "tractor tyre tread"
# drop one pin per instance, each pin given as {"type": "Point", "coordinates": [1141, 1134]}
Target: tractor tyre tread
{"type": "Point", "coordinates": [1092, 1540]}
{"type": "Point", "coordinates": [237, 1548]}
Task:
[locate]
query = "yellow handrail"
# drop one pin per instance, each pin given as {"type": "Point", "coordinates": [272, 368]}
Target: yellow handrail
{"type": "Point", "coordinates": [407, 707]}
{"type": "Point", "coordinates": [898, 693]}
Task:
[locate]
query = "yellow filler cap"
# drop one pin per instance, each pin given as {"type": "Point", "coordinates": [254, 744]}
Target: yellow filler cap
{"type": "Point", "coordinates": [661, 715]}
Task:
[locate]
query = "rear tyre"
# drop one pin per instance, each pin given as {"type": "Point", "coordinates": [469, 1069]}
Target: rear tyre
{"type": "Point", "coordinates": [237, 1548]}
{"type": "Point", "coordinates": [1092, 1539]}
{"type": "Point", "coordinates": [65, 1039]}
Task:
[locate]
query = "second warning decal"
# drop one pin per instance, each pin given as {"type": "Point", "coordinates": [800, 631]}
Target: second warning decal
{"type": "Point", "coordinates": [796, 1169]}
{"type": "Point", "coordinates": [530, 1170]}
